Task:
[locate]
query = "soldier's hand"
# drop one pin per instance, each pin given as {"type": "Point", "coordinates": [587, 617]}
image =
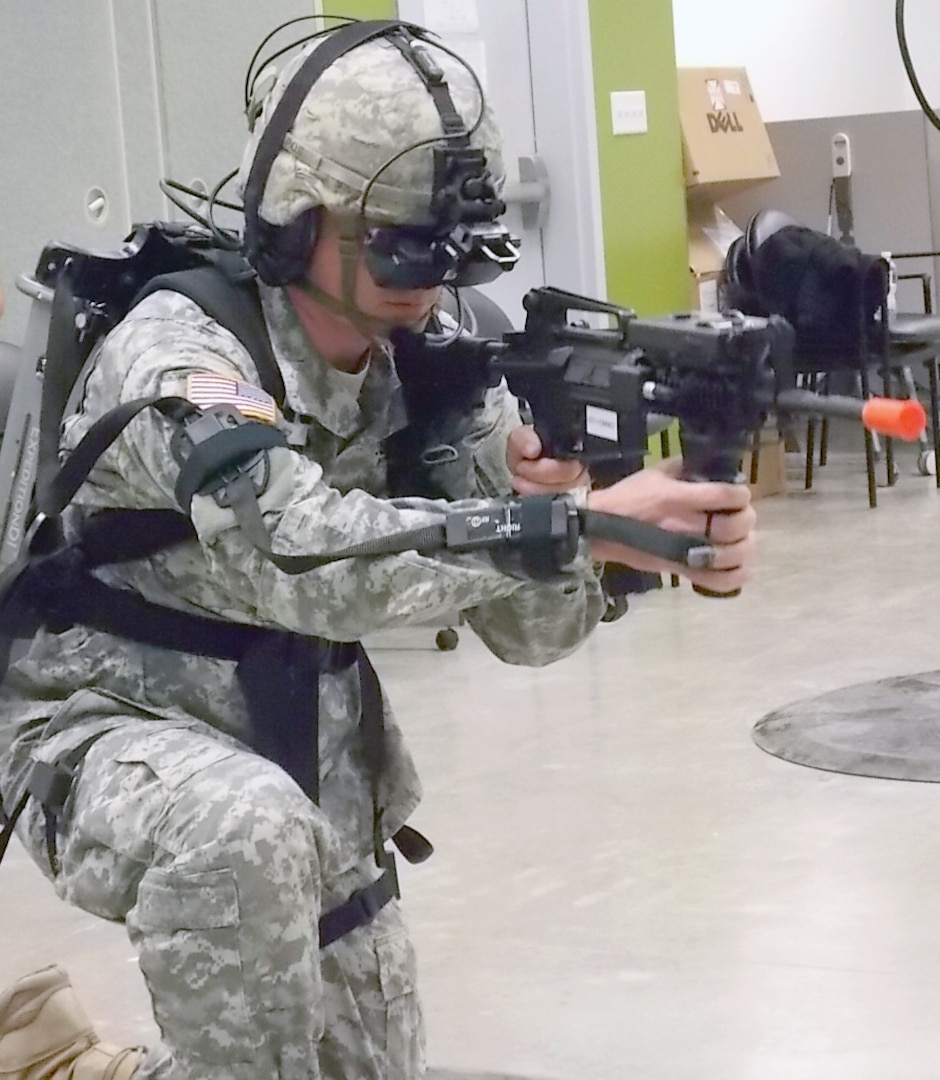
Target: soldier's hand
{"type": "Point", "coordinates": [657, 495]}
{"type": "Point", "coordinates": [533, 474]}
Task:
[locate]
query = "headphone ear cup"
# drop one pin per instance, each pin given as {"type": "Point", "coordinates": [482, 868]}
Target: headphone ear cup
{"type": "Point", "coordinates": [749, 229]}
{"type": "Point", "coordinates": [763, 225]}
{"type": "Point", "coordinates": [738, 264]}
{"type": "Point", "coordinates": [281, 254]}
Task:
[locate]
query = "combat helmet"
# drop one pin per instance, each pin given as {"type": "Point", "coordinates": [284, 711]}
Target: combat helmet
{"type": "Point", "coordinates": [364, 141]}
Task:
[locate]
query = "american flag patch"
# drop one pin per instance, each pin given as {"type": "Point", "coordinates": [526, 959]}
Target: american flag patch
{"type": "Point", "coordinates": [205, 389]}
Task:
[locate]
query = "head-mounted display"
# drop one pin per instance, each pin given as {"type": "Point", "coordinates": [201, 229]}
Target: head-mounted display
{"type": "Point", "coordinates": [455, 238]}
{"type": "Point", "coordinates": [465, 245]}
{"type": "Point", "coordinates": [405, 257]}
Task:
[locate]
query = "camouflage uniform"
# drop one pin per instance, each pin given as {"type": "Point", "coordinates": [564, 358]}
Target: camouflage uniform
{"type": "Point", "coordinates": [214, 858]}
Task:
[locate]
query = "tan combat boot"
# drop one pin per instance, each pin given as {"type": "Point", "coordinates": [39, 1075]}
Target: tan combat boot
{"type": "Point", "coordinates": [45, 1034]}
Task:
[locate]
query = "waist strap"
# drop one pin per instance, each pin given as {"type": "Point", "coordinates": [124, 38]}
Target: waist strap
{"type": "Point", "coordinates": [85, 599]}
{"type": "Point", "coordinates": [362, 907]}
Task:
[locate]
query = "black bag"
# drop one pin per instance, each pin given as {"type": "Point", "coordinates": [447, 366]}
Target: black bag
{"type": "Point", "coordinates": [828, 291]}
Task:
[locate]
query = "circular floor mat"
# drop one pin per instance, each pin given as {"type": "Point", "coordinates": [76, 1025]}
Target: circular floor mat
{"type": "Point", "coordinates": [888, 729]}
{"type": "Point", "coordinates": [446, 1074]}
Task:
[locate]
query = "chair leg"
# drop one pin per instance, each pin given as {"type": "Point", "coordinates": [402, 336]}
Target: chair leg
{"type": "Point", "coordinates": [869, 450]}
{"type": "Point", "coordinates": [824, 425]}
{"type": "Point", "coordinates": [934, 416]}
{"type": "Point", "coordinates": [886, 382]}
{"type": "Point", "coordinates": [810, 442]}
{"type": "Point", "coordinates": [870, 468]}
{"type": "Point", "coordinates": [907, 377]}
{"type": "Point", "coordinates": [891, 473]}
{"type": "Point", "coordinates": [810, 453]}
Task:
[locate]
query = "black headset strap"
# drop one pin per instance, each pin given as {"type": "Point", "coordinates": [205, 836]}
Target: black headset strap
{"type": "Point", "coordinates": [336, 45]}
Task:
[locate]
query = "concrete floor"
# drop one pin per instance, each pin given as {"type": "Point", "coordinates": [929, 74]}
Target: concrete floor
{"type": "Point", "coordinates": [624, 885]}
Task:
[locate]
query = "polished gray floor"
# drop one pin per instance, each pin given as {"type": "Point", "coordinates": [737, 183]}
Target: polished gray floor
{"type": "Point", "coordinates": [624, 885]}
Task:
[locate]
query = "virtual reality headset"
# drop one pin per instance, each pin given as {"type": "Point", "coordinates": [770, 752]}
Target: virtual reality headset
{"type": "Point", "coordinates": [411, 257]}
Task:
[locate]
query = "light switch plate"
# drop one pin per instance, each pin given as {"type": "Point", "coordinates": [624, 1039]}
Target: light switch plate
{"type": "Point", "coordinates": [628, 112]}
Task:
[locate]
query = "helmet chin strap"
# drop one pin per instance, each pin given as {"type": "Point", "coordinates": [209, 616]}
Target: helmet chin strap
{"type": "Point", "coordinates": [376, 331]}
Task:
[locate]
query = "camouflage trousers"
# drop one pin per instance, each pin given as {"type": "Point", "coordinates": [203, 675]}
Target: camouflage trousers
{"type": "Point", "coordinates": [213, 858]}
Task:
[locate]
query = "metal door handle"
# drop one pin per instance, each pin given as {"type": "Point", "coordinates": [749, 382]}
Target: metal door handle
{"type": "Point", "coordinates": [531, 192]}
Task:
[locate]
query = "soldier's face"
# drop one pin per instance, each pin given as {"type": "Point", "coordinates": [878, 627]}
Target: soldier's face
{"type": "Point", "coordinates": [392, 307]}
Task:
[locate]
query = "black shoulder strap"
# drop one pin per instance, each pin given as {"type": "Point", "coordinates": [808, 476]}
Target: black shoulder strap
{"type": "Point", "coordinates": [53, 497]}
{"type": "Point", "coordinates": [230, 296]}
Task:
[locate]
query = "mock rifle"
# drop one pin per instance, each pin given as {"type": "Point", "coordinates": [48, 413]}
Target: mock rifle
{"type": "Point", "coordinates": [593, 390]}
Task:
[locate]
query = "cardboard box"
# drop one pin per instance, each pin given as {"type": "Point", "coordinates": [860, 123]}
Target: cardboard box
{"type": "Point", "coordinates": [725, 145]}
{"type": "Point", "coordinates": [771, 465]}
{"type": "Point", "coordinates": [710, 234]}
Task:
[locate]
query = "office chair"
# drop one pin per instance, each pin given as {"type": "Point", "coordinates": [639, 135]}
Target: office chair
{"type": "Point", "coordinates": [835, 297]}
{"type": "Point", "coordinates": [916, 336]}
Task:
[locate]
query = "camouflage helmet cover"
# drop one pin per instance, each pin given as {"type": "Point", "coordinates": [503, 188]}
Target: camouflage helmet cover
{"type": "Point", "coordinates": [364, 109]}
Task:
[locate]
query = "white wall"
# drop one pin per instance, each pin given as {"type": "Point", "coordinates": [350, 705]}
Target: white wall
{"type": "Point", "coordinates": [815, 58]}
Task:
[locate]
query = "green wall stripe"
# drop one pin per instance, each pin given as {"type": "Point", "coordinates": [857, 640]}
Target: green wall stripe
{"type": "Point", "coordinates": [642, 185]}
{"type": "Point", "coordinates": [366, 9]}
{"type": "Point", "coordinates": [641, 178]}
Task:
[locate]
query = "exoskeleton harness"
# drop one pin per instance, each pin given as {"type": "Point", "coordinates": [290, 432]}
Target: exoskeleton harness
{"type": "Point", "coordinates": [52, 584]}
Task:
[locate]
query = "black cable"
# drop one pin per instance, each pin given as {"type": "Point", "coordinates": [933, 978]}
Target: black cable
{"type": "Point", "coordinates": [286, 49]}
{"type": "Point", "coordinates": [249, 79]}
{"type": "Point", "coordinates": [443, 137]}
{"type": "Point", "coordinates": [225, 239]}
{"type": "Point", "coordinates": [909, 66]}
{"type": "Point", "coordinates": [447, 337]}
{"type": "Point", "coordinates": [167, 187]}
{"type": "Point", "coordinates": [205, 196]}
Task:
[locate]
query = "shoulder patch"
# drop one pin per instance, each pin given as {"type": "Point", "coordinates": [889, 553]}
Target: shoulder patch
{"type": "Point", "coordinates": [205, 389]}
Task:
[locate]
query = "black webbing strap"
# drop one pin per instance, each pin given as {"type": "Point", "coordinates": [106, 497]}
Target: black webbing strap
{"type": "Point", "coordinates": [85, 600]}
{"type": "Point", "coordinates": [54, 496]}
{"type": "Point", "coordinates": [279, 679]}
{"type": "Point", "coordinates": [414, 846]}
{"type": "Point", "coordinates": [361, 908]}
{"type": "Point", "coordinates": [8, 822]}
{"type": "Point", "coordinates": [372, 725]}
{"type": "Point", "coordinates": [118, 535]}
{"type": "Point", "coordinates": [244, 503]}
{"type": "Point", "coordinates": [50, 784]}
{"type": "Point", "coordinates": [226, 290]}
{"type": "Point", "coordinates": [683, 548]}
{"type": "Point", "coordinates": [277, 671]}
{"type": "Point", "coordinates": [211, 458]}
{"type": "Point", "coordinates": [452, 124]}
